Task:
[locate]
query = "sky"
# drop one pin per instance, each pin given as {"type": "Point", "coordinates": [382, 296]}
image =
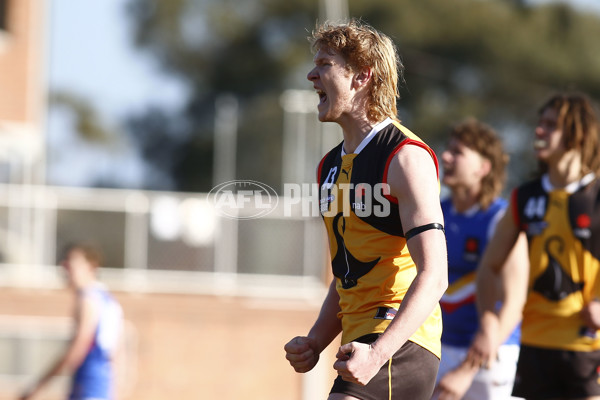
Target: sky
{"type": "Point", "coordinates": [90, 55]}
{"type": "Point", "coordinates": [583, 5]}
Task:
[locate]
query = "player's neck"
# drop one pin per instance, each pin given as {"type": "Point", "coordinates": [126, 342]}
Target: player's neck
{"type": "Point", "coordinates": [86, 282]}
{"type": "Point", "coordinates": [567, 170]}
{"type": "Point", "coordinates": [355, 128]}
{"type": "Point", "coordinates": [354, 137]}
{"type": "Point", "coordinates": [464, 198]}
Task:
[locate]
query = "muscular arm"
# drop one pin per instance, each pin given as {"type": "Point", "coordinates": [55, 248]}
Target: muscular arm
{"type": "Point", "coordinates": [328, 325]}
{"type": "Point", "coordinates": [86, 317]}
{"type": "Point", "coordinates": [497, 280]}
{"type": "Point", "coordinates": [514, 277]}
{"type": "Point", "coordinates": [501, 275]}
{"type": "Point", "coordinates": [303, 351]}
{"type": "Point", "coordinates": [413, 181]}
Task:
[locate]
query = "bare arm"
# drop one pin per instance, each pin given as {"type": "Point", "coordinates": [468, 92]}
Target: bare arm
{"type": "Point", "coordinates": [303, 351]}
{"type": "Point", "coordinates": [505, 281]}
{"type": "Point", "coordinates": [86, 317]}
{"type": "Point", "coordinates": [590, 313]}
{"type": "Point", "coordinates": [514, 276]}
{"type": "Point", "coordinates": [413, 181]}
{"type": "Point", "coordinates": [328, 325]}
{"type": "Point", "coordinates": [502, 275]}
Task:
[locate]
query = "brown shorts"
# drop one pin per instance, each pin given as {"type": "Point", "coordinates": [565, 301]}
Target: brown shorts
{"type": "Point", "coordinates": [551, 373]}
{"type": "Point", "coordinates": [413, 374]}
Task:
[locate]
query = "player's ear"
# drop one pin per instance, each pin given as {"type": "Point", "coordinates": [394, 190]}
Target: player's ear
{"type": "Point", "coordinates": [486, 167]}
{"type": "Point", "coordinates": [363, 76]}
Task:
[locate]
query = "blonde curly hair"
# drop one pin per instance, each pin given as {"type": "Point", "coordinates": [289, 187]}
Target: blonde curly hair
{"type": "Point", "coordinates": [363, 46]}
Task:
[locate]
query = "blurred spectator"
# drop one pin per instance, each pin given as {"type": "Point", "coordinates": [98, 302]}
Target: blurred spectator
{"type": "Point", "coordinates": [559, 212]}
{"type": "Point", "coordinates": [474, 165]}
{"type": "Point", "coordinates": [97, 336]}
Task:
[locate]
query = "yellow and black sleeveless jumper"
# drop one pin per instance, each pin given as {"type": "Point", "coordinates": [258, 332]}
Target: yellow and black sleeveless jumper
{"type": "Point", "coordinates": [563, 231]}
{"type": "Point", "coordinates": [370, 259]}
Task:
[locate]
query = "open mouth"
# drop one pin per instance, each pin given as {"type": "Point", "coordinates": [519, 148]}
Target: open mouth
{"type": "Point", "coordinates": [540, 144]}
{"type": "Point", "coordinates": [322, 96]}
{"type": "Point", "coordinates": [447, 171]}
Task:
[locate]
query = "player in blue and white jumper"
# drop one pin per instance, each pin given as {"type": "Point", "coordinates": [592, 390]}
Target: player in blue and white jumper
{"type": "Point", "coordinates": [97, 335]}
{"type": "Point", "coordinates": [474, 170]}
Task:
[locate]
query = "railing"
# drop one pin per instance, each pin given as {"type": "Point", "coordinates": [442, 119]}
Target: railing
{"type": "Point", "coordinates": [159, 242]}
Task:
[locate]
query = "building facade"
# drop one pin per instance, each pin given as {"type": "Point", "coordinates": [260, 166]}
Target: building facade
{"type": "Point", "coordinates": [207, 311]}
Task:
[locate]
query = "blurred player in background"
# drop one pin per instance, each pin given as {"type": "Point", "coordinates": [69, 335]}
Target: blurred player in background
{"type": "Point", "coordinates": [389, 266]}
{"type": "Point", "coordinates": [98, 325]}
{"type": "Point", "coordinates": [560, 213]}
{"type": "Point", "coordinates": [474, 165]}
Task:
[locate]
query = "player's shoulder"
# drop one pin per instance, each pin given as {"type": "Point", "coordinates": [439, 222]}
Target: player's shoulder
{"type": "Point", "coordinates": [530, 185]}
{"type": "Point", "coordinates": [332, 154]}
{"type": "Point", "coordinates": [446, 203]}
{"type": "Point", "coordinates": [330, 158]}
{"type": "Point", "coordinates": [498, 204]}
{"type": "Point", "coordinates": [413, 158]}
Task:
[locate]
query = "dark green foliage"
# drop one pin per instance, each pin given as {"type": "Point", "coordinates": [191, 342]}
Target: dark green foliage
{"type": "Point", "coordinates": [493, 59]}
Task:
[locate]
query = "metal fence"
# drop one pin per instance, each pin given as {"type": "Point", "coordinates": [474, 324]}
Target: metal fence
{"type": "Point", "coordinates": [159, 241]}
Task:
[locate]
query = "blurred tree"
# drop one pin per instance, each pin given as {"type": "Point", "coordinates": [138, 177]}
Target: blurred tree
{"type": "Point", "coordinates": [496, 60]}
{"type": "Point", "coordinates": [492, 59]}
{"type": "Point", "coordinates": [87, 121]}
{"type": "Point", "coordinates": [506, 56]}
{"type": "Point", "coordinates": [246, 48]}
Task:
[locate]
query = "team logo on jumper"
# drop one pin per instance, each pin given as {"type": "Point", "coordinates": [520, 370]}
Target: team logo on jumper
{"type": "Point", "coordinates": [471, 250]}
{"type": "Point", "coordinates": [554, 283]}
{"type": "Point", "coordinates": [385, 313]}
{"type": "Point", "coordinates": [344, 264]}
{"type": "Point", "coordinates": [243, 199]}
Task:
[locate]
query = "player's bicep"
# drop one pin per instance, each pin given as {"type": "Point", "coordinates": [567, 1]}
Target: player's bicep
{"type": "Point", "coordinates": [503, 242]}
{"type": "Point", "coordinates": [413, 181]}
{"type": "Point", "coordinates": [88, 316]}
{"type": "Point", "coordinates": [412, 178]}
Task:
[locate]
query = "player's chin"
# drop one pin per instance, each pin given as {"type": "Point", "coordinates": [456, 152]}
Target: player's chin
{"type": "Point", "coordinates": [448, 180]}
{"type": "Point", "coordinates": [542, 155]}
{"type": "Point", "coordinates": [324, 117]}
{"type": "Point", "coordinates": [326, 114]}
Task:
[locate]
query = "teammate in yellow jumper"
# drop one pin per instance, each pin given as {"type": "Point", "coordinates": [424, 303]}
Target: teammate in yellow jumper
{"type": "Point", "coordinates": [560, 213]}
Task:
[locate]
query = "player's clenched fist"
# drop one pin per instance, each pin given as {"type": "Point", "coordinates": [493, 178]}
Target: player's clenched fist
{"type": "Point", "coordinates": [302, 353]}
